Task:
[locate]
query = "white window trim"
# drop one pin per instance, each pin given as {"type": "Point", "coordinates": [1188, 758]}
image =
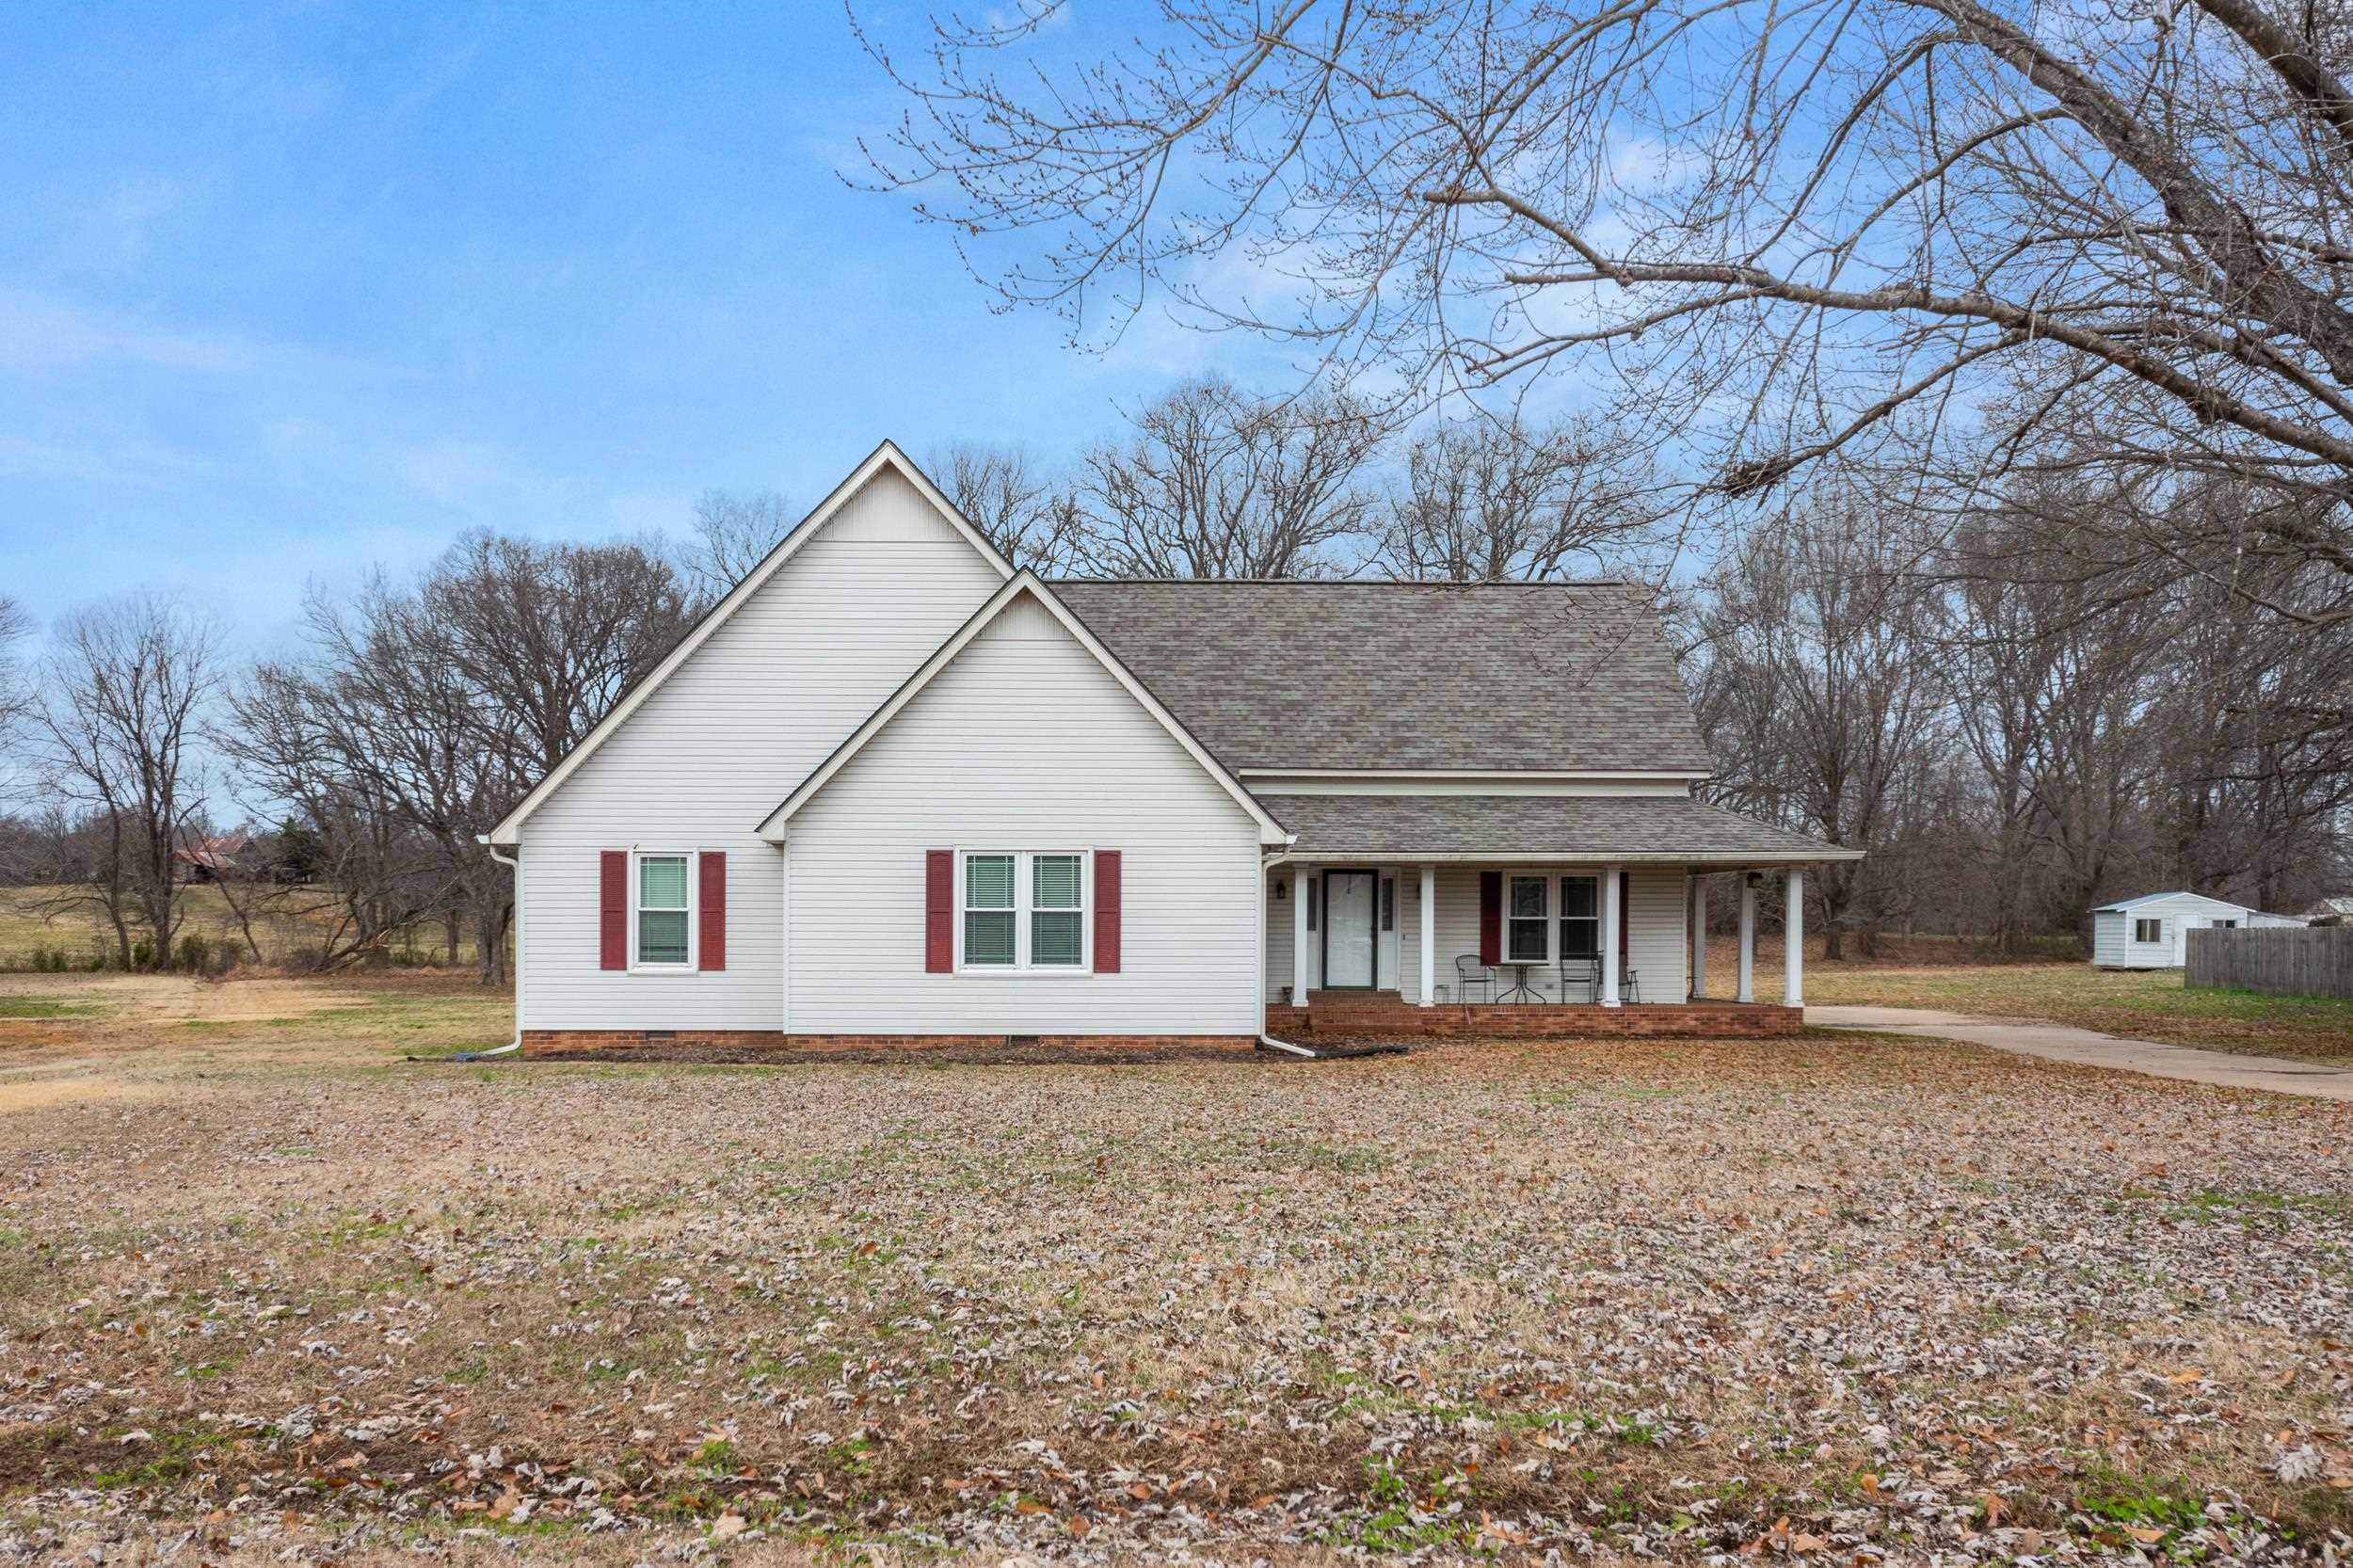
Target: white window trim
{"type": "Point", "coordinates": [2138, 920]}
{"type": "Point", "coordinates": [694, 911]}
{"type": "Point", "coordinates": [1551, 877]}
{"type": "Point", "coordinates": [1024, 889]}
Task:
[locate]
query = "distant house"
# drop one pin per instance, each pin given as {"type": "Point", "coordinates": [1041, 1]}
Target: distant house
{"type": "Point", "coordinates": [2332, 911]}
{"type": "Point", "coordinates": [215, 860]}
{"type": "Point", "coordinates": [2151, 931]}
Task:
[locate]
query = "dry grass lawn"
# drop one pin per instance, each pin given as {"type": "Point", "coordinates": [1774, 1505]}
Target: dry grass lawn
{"type": "Point", "coordinates": [285, 922]}
{"type": "Point", "coordinates": [271, 1292]}
{"type": "Point", "coordinates": [2148, 1004]}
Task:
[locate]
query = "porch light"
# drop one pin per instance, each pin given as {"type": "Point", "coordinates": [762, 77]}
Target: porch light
{"type": "Point", "coordinates": [1282, 892]}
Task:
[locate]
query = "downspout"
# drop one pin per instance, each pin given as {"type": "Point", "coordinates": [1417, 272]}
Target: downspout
{"type": "Point", "coordinates": [516, 1043]}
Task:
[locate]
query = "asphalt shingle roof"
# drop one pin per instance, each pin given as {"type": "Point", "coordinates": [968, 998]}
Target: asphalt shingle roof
{"type": "Point", "coordinates": [1554, 676]}
{"type": "Point", "coordinates": [1600, 827]}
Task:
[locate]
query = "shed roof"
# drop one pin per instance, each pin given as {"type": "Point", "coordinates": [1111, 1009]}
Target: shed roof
{"type": "Point", "coordinates": [2147, 899]}
{"type": "Point", "coordinates": [1671, 829]}
{"type": "Point", "coordinates": [1467, 677]}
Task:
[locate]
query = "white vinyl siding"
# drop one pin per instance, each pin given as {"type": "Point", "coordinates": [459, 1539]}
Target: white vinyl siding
{"type": "Point", "coordinates": [712, 751]}
{"type": "Point", "coordinates": [960, 766]}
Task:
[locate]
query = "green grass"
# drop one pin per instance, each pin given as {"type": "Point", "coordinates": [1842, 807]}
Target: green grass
{"type": "Point", "coordinates": [41, 1007]}
{"type": "Point", "coordinates": [2151, 1005]}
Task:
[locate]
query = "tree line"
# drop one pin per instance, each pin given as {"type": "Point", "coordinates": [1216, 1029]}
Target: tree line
{"type": "Point", "coordinates": [2013, 719]}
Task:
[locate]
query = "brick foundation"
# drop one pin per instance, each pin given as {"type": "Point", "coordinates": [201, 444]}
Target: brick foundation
{"type": "Point", "coordinates": [754, 1042]}
{"type": "Point", "coordinates": [1538, 1022]}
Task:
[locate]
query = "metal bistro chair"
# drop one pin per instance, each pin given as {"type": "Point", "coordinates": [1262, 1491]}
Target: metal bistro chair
{"type": "Point", "coordinates": [1469, 971]}
{"type": "Point", "coordinates": [1582, 972]}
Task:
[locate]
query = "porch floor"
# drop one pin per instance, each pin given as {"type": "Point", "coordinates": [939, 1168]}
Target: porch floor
{"type": "Point", "coordinates": [1386, 1013]}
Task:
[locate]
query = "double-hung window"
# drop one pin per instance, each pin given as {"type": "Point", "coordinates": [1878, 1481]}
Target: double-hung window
{"type": "Point", "coordinates": [661, 912]}
{"type": "Point", "coordinates": [1580, 916]}
{"type": "Point", "coordinates": [1024, 911]}
{"type": "Point", "coordinates": [1526, 939]}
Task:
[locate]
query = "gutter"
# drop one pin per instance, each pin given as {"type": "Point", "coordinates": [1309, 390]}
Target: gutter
{"type": "Point", "coordinates": [1268, 1042]}
{"type": "Point", "coordinates": [516, 1045]}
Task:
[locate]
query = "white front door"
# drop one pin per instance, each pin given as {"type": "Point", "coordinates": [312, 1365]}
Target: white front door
{"type": "Point", "coordinates": [1348, 928]}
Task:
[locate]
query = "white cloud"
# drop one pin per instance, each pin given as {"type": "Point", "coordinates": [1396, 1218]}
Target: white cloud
{"type": "Point", "coordinates": [37, 334]}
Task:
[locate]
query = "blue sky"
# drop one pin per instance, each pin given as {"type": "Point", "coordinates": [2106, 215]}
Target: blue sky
{"type": "Point", "coordinates": [288, 292]}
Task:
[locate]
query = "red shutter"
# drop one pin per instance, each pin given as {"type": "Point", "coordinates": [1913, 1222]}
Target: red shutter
{"type": "Point", "coordinates": [939, 928]}
{"type": "Point", "coordinates": [1107, 911]}
{"type": "Point", "coordinates": [711, 936]}
{"type": "Point", "coordinates": [1491, 917]}
{"type": "Point", "coordinates": [613, 910]}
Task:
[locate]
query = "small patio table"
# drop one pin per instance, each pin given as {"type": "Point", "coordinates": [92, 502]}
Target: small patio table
{"type": "Point", "coordinates": [1521, 991]}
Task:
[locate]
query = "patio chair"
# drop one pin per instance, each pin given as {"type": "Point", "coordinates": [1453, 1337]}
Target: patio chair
{"type": "Point", "coordinates": [1630, 988]}
{"type": "Point", "coordinates": [1582, 972]}
{"type": "Point", "coordinates": [1469, 972]}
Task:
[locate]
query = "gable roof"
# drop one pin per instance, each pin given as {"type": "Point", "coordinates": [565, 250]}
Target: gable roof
{"type": "Point", "coordinates": [1395, 676]}
{"type": "Point", "coordinates": [887, 456]}
{"type": "Point", "coordinates": [1021, 584]}
{"type": "Point", "coordinates": [2164, 898]}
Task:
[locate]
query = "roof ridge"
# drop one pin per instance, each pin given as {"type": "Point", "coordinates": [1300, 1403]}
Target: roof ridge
{"type": "Point", "coordinates": [1338, 583]}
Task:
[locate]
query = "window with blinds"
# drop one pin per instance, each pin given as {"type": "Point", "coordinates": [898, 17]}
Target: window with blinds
{"type": "Point", "coordinates": [662, 911]}
{"type": "Point", "coordinates": [1024, 911]}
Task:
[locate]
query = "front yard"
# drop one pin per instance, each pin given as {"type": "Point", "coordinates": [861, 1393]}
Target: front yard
{"type": "Point", "coordinates": [267, 1287]}
{"type": "Point", "coordinates": [2148, 1005]}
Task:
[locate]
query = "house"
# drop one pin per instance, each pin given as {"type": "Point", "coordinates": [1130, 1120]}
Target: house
{"type": "Point", "coordinates": [214, 859]}
{"type": "Point", "coordinates": [892, 790]}
{"type": "Point", "coordinates": [2151, 931]}
{"type": "Point", "coordinates": [2332, 911]}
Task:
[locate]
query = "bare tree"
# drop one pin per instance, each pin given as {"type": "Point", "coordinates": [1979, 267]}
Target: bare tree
{"type": "Point", "coordinates": [1002, 492]}
{"type": "Point", "coordinates": [16, 687]}
{"type": "Point", "coordinates": [1489, 501]}
{"type": "Point", "coordinates": [425, 710]}
{"type": "Point", "coordinates": [2116, 237]}
{"type": "Point", "coordinates": [1213, 481]}
{"type": "Point", "coordinates": [734, 531]}
{"type": "Point", "coordinates": [127, 690]}
{"type": "Point", "coordinates": [1816, 692]}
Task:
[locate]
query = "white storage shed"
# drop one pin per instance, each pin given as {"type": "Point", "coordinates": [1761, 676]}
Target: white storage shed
{"type": "Point", "coordinates": [2151, 932]}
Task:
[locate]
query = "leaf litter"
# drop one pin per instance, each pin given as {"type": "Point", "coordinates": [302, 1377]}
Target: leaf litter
{"type": "Point", "coordinates": [1833, 1300]}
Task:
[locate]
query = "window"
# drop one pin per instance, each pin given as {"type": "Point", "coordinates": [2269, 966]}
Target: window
{"type": "Point", "coordinates": [1024, 912]}
{"type": "Point", "coordinates": [662, 911]}
{"type": "Point", "coordinates": [2148, 931]}
{"type": "Point", "coordinates": [1054, 937]}
{"type": "Point", "coordinates": [1525, 937]}
{"type": "Point", "coordinates": [989, 917]}
{"type": "Point", "coordinates": [2226, 925]}
{"type": "Point", "coordinates": [1315, 887]}
{"type": "Point", "coordinates": [1388, 903]}
{"type": "Point", "coordinates": [1580, 916]}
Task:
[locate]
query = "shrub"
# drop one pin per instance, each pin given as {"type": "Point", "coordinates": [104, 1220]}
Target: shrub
{"type": "Point", "coordinates": [194, 956]}
{"type": "Point", "coordinates": [142, 955]}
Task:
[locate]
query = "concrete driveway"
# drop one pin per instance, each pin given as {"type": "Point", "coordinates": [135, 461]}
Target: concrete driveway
{"type": "Point", "coordinates": [2059, 1043]}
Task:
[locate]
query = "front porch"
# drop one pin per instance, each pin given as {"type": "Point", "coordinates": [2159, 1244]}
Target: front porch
{"type": "Point", "coordinates": [1421, 915]}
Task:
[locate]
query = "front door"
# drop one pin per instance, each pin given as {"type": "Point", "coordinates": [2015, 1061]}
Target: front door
{"type": "Point", "coordinates": [1348, 930]}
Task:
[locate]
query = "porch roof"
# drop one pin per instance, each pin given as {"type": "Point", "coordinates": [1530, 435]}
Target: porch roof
{"type": "Point", "coordinates": [1669, 829]}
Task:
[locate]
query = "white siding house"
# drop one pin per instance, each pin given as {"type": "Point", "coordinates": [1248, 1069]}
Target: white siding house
{"type": "Point", "coordinates": [892, 789]}
{"type": "Point", "coordinates": [2151, 932]}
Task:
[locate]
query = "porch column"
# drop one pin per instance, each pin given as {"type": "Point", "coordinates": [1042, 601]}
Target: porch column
{"type": "Point", "coordinates": [1610, 957]}
{"type": "Point", "coordinates": [1793, 943]}
{"type": "Point", "coordinates": [1748, 937]}
{"type": "Point", "coordinates": [1699, 936]}
{"type": "Point", "coordinates": [1429, 934]}
{"type": "Point", "coordinates": [1299, 936]}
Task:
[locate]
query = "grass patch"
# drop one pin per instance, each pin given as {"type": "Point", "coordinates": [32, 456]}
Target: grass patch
{"type": "Point", "coordinates": [2150, 1004]}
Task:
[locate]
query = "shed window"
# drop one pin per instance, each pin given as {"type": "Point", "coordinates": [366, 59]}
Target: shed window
{"type": "Point", "coordinates": [1024, 911]}
{"type": "Point", "coordinates": [2148, 931]}
{"type": "Point", "coordinates": [662, 910]}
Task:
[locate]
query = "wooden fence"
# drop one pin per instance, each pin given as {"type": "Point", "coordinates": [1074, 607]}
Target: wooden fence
{"type": "Point", "coordinates": [2277, 960]}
